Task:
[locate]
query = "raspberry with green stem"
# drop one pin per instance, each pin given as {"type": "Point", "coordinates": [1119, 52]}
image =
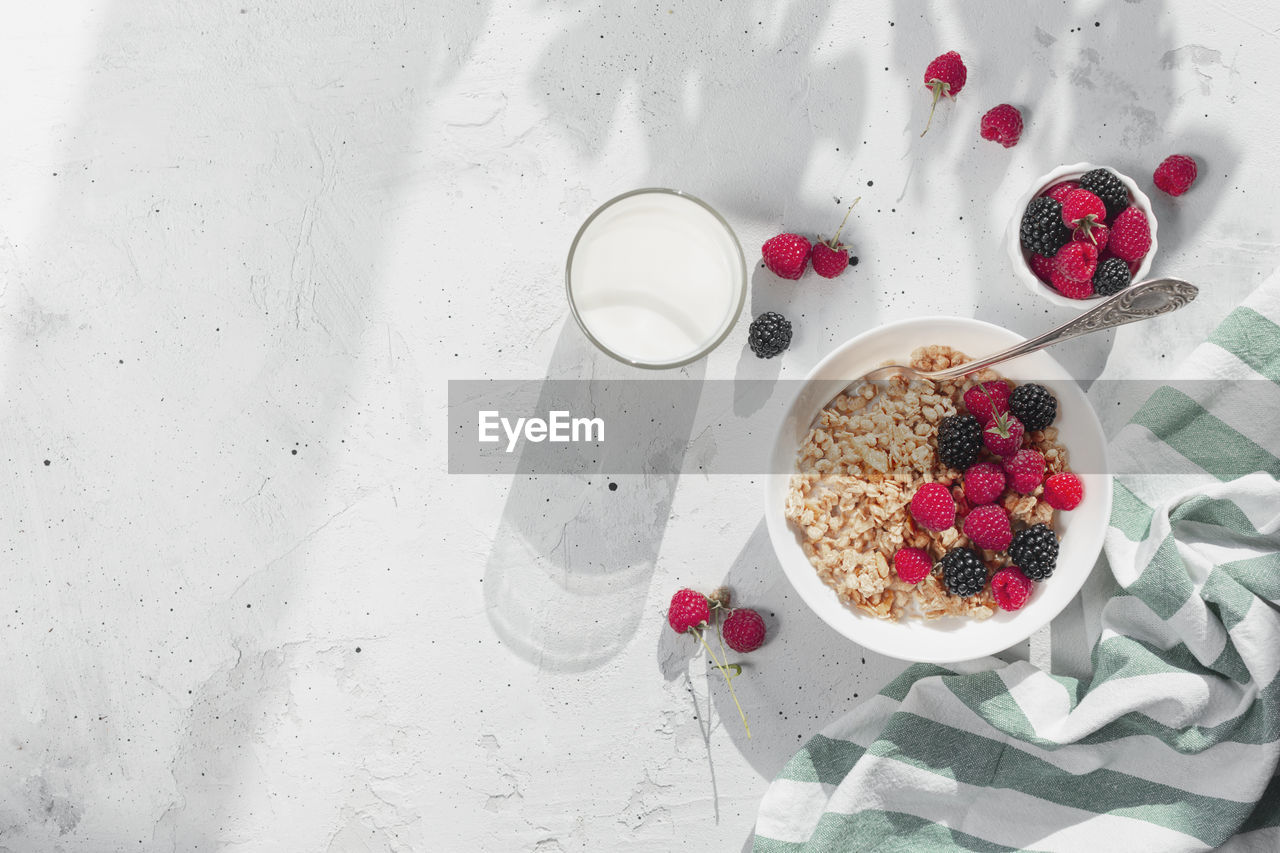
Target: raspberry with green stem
{"type": "Point", "coordinates": [1003, 434]}
{"type": "Point", "coordinates": [691, 612]}
{"type": "Point", "coordinates": [831, 257]}
{"type": "Point", "coordinates": [946, 75]}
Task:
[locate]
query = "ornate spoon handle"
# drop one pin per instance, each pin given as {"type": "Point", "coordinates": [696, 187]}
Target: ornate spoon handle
{"type": "Point", "coordinates": [1141, 301]}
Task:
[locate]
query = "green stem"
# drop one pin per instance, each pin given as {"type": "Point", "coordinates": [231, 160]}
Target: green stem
{"type": "Point", "coordinates": [727, 680]}
{"type": "Point", "coordinates": [936, 86]}
{"type": "Point", "coordinates": [724, 654]}
{"type": "Point", "coordinates": [835, 241]}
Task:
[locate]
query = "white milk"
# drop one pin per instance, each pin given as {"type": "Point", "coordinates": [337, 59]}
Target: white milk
{"type": "Point", "coordinates": [656, 278]}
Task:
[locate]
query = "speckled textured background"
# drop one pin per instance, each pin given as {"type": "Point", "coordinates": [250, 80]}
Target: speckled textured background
{"type": "Point", "coordinates": [245, 245]}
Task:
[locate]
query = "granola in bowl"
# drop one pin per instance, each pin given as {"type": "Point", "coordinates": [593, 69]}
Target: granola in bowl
{"type": "Point", "coordinates": [857, 471]}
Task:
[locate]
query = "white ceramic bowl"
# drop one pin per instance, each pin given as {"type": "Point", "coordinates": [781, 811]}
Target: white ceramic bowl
{"type": "Point", "coordinates": [1019, 257]}
{"type": "Point", "coordinates": [949, 639]}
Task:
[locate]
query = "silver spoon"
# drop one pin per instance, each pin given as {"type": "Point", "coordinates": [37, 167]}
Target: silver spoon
{"type": "Point", "coordinates": [1140, 301]}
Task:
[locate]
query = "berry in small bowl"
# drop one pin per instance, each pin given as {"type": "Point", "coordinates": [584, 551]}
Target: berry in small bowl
{"type": "Point", "coordinates": [1082, 232]}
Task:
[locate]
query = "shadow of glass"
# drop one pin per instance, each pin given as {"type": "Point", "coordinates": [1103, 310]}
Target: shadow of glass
{"type": "Point", "coordinates": [568, 544]}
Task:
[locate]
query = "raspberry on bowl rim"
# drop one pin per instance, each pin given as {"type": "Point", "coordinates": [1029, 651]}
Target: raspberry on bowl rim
{"type": "Point", "coordinates": [1020, 258]}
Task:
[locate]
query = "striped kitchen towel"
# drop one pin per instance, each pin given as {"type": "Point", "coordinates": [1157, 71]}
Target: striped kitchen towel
{"type": "Point", "coordinates": [1173, 742]}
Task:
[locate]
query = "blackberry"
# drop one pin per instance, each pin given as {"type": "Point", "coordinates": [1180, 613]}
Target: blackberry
{"type": "Point", "coordinates": [770, 334]}
{"type": "Point", "coordinates": [1035, 551]}
{"type": "Point", "coordinates": [1033, 405]}
{"type": "Point", "coordinates": [1111, 277]}
{"type": "Point", "coordinates": [1042, 229]}
{"type": "Point", "coordinates": [959, 440]}
{"type": "Point", "coordinates": [1105, 185]}
{"type": "Point", "coordinates": [963, 572]}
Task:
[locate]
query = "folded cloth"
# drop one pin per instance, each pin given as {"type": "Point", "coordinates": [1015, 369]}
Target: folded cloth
{"type": "Point", "coordinates": [1173, 742]}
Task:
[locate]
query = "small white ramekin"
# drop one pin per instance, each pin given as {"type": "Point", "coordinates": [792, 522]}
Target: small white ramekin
{"type": "Point", "coordinates": [1019, 257]}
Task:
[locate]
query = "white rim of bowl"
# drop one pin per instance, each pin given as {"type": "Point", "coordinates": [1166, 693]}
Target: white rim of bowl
{"type": "Point", "coordinates": [814, 375]}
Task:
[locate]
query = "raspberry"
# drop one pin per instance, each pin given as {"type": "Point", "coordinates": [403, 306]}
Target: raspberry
{"type": "Point", "coordinates": [1105, 185]}
{"type": "Point", "coordinates": [1097, 236]}
{"type": "Point", "coordinates": [1034, 405]}
{"type": "Point", "coordinates": [1111, 277]}
{"type": "Point", "coordinates": [1035, 550]}
{"type": "Point", "coordinates": [1003, 435]}
{"type": "Point", "coordinates": [1059, 192]}
{"type": "Point", "coordinates": [1069, 287]}
{"type": "Point", "coordinates": [1130, 235]}
{"type": "Point", "coordinates": [985, 400]}
{"type": "Point", "coordinates": [1176, 174]}
{"type": "Point", "coordinates": [786, 255]}
{"type": "Point", "coordinates": [912, 565]}
{"type": "Point", "coordinates": [1041, 230]}
{"type": "Point", "coordinates": [1002, 124]}
{"type": "Point", "coordinates": [1042, 267]}
{"type": "Point", "coordinates": [1077, 261]}
{"type": "Point", "coordinates": [946, 72]}
{"type": "Point", "coordinates": [988, 527]}
{"type": "Point", "coordinates": [1081, 209]}
{"type": "Point", "coordinates": [743, 630]}
{"type": "Point", "coordinates": [983, 483]}
{"type": "Point", "coordinates": [720, 597]}
{"type": "Point", "coordinates": [933, 507]}
{"type": "Point", "coordinates": [1026, 470]}
{"type": "Point", "coordinates": [944, 76]}
{"type": "Point", "coordinates": [1063, 491]}
{"type": "Point", "coordinates": [831, 257]}
{"type": "Point", "coordinates": [689, 610]}
{"type": "Point", "coordinates": [963, 572]}
{"type": "Point", "coordinates": [829, 261]}
{"type": "Point", "coordinates": [1010, 588]}
{"type": "Point", "coordinates": [959, 440]}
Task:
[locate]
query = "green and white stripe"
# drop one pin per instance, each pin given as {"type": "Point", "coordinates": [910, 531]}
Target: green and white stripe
{"type": "Point", "coordinates": [1173, 742]}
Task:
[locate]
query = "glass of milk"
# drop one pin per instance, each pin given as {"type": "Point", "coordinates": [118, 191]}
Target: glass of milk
{"type": "Point", "coordinates": [656, 278]}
